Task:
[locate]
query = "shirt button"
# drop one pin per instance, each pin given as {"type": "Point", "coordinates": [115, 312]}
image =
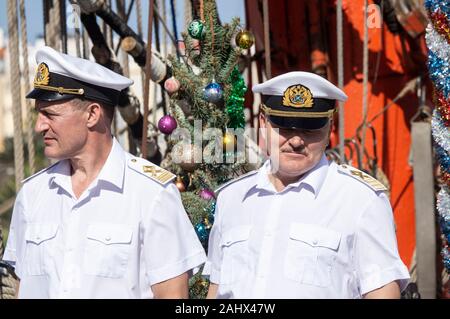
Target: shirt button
{"type": "Point", "coordinates": [108, 238]}
{"type": "Point", "coordinates": [315, 242]}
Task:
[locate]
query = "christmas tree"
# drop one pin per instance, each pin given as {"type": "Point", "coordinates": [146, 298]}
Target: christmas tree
{"type": "Point", "coordinates": [207, 110]}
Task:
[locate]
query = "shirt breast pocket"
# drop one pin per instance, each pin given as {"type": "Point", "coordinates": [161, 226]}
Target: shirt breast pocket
{"type": "Point", "coordinates": [311, 254]}
{"type": "Point", "coordinates": [40, 246]}
{"type": "Point", "coordinates": [107, 250]}
{"type": "Point", "coordinates": [235, 260]}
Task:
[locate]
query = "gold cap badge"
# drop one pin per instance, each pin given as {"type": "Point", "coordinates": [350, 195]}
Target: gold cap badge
{"type": "Point", "coordinates": [42, 75]}
{"type": "Point", "coordinates": [298, 96]}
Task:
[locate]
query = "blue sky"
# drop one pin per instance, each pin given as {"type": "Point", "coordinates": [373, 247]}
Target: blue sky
{"type": "Point", "coordinates": [227, 10]}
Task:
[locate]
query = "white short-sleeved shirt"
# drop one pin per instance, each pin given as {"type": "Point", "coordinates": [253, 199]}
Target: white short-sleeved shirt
{"type": "Point", "coordinates": [125, 233]}
{"type": "Point", "coordinates": [329, 235]}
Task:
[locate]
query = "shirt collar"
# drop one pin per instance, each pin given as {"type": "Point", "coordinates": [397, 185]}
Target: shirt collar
{"type": "Point", "coordinates": [314, 178]}
{"type": "Point", "coordinates": [112, 172]}
{"type": "Point", "coordinates": [114, 168]}
{"type": "Point", "coordinates": [61, 176]}
{"type": "Point", "coordinates": [262, 180]}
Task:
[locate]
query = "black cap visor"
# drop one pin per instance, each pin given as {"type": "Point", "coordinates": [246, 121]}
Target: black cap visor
{"type": "Point", "coordinates": [298, 122]}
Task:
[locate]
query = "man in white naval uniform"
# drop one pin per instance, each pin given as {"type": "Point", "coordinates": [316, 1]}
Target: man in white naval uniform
{"type": "Point", "coordinates": [301, 226]}
{"type": "Point", "coordinates": [100, 223]}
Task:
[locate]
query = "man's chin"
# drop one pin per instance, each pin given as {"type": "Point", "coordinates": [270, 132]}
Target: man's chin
{"type": "Point", "coordinates": [293, 156]}
{"type": "Point", "coordinates": [295, 167]}
{"type": "Point", "coordinates": [52, 154]}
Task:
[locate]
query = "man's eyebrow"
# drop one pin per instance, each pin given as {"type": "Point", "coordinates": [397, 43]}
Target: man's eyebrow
{"type": "Point", "coordinates": [45, 109]}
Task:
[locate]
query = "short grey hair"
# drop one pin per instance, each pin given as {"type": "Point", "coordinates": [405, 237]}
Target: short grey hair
{"type": "Point", "coordinates": [82, 104]}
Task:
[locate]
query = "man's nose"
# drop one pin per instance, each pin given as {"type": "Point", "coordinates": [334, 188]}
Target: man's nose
{"type": "Point", "coordinates": [296, 141]}
{"type": "Point", "coordinates": [41, 125]}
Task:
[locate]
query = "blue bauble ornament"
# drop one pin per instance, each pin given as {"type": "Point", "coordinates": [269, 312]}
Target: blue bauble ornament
{"type": "Point", "coordinates": [211, 210]}
{"type": "Point", "coordinates": [202, 232]}
{"type": "Point", "coordinates": [213, 92]}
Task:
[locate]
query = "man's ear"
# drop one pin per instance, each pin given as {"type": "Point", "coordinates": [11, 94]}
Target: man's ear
{"type": "Point", "coordinates": [94, 114]}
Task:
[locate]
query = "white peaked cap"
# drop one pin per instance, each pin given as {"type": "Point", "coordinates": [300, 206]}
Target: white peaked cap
{"type": "Point", "coordinates": [81, 69]}
{"type": "Point", "coordinates": [319, 86]}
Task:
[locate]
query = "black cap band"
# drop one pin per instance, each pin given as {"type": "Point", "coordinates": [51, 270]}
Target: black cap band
{"type": "Point", "coordinates": [61, 87]}
{"type": "Point", "coordinates": [298, 122]}
{"type": "Point", "coordinates": [320, 105]}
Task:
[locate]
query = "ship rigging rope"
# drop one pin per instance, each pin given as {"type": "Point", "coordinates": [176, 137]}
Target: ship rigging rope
{"type": "Point", "coordinates": [365, 81]}
{"type": "Point", "coordinates": [26, 77]}
{"type": "Point", "coordinates": [267, 39]}
{"type": "Point", "coordinates": [139, 17]}
{"type": "Point", "coordinates": [163, 19]}
{"type": "Point", "coordinates": [171, 36]}
{"type": "Point", "coordinates": [202, 12]}
{"type": "Point", "coordinates": [340, 62]}
{"type": "Point", "coordinates": [85, 40]}
{"type": "Point", "coordinates": [77, 37]}
{"type": "Point", "coordinates": [140, 33]}
{"type": "Point", "coordinates": [53, 26]}
{"type": "Point", "coordinates": [15, 91]}
{"type": "Point", "coordinates": [125, 17]}
{"type": "Point", "coordinates": [187, 13]}
{"type": "Point", "coordinates": [174, 20]}
{"type": "Point", "coordinates": [409, 87]}
{"type": "Point", "coordinates": [148, 63]}
{"type": "Point", "coordinates": [164, 47]}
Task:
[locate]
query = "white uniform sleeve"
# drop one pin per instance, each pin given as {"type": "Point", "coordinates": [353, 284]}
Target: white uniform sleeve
{"type": "Point", "coordinates": [171, 246]}
{"type": "Point", "coordinates": [15, 245]}
{"type": "Point", "coordinates": [212, 265]}
{"type": "Point", "coordinates": [377, 260]}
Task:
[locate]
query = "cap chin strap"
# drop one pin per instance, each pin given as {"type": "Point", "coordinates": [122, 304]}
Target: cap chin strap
{"type": "Point", "coordinates": [268, 111]}
{"type": "Point", "coordinates": [60, 89]}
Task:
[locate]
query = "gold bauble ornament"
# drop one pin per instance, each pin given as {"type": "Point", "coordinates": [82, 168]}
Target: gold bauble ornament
{"type": "Point", "coordinates": [229, 141]}
{"type": "Point", "coordinates": [180, 185]}
{"type": "Point", "coordinates": [245, 39]}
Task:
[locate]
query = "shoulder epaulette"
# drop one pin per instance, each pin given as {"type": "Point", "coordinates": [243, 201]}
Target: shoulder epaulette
{"type": "Point", "coordinates": [235, 180]}
{"type": "Point", "coordinates": [38, 173]}
{"type": "Point", "coordinates": [151, 170]}
{"type": "Point", "coordinates": [362, 177]}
